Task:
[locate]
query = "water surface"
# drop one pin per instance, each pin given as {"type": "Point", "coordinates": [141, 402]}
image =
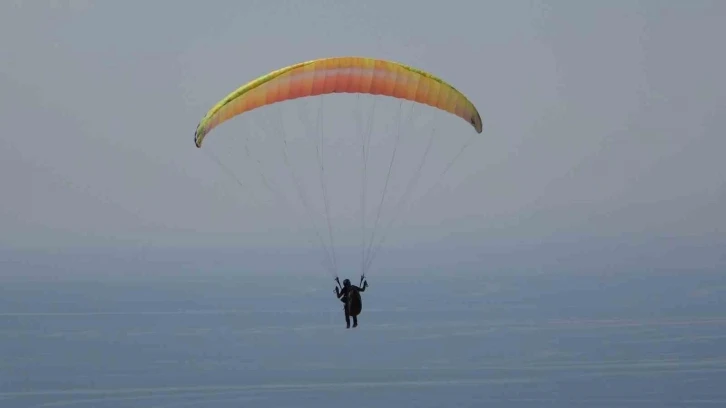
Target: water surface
{"type": "Point", "coordinates": [551, 340]}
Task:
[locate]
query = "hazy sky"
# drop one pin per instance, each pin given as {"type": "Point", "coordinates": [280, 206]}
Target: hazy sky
{"type": "Point", "coordinates": [601, 119]}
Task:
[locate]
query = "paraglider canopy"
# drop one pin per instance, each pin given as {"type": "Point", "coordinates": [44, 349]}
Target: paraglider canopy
{"type": "Point", "coordinates": [340, 75]}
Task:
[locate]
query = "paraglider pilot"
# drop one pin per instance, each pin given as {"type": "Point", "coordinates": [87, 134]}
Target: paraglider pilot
{"type": "Point", "coordinates": [350, 296]}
